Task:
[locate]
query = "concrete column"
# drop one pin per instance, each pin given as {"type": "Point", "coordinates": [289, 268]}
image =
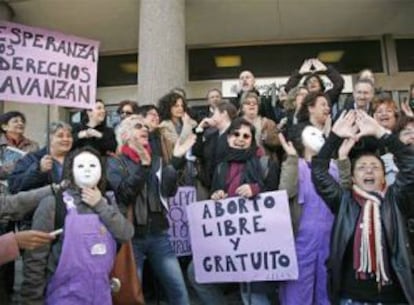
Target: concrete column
{"type": "Point", "coordinates": [161, 51]}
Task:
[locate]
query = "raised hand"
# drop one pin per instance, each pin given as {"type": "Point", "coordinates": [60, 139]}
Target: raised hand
{"type": "Point", "coordinates": [91, 196]}
{"type": "Point", "coordinates": [405, 107]}
{"type": "Point", "coordinates": [306, 67]}
{"type": "Point", "coordinates": [206, 122]}
{"type": "Point", "coordinates": [143, 154]}
{"type": "Point", "coordinates": [32, 239]}
{"type": "Point", "coordinates": [287, 145]}
{"type": "Point", "coordinates": [182, 146]}
{"type": "Point", "coordinates": [345, 148]}
{"type": "Point", "coordinates": [319, 66]}
{"type": "Point", "coordinates": [328, 126]}
{"type": "Point", "coordinates": [368, 126]}
{"type": "Point", "coordinates": [187, 120]}
{"type": "Point", "coordinates": [344, 126]}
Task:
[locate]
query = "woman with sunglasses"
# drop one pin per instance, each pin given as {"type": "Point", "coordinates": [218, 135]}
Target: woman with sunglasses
{"type": "Point", "coordinates": [92, 130]}
{"type": "Point", "coordinates": [142, 179]}
{"type": "Point", "coordinates": [127, 108]}
{"type": "Point", "coordinates": [240, 174]}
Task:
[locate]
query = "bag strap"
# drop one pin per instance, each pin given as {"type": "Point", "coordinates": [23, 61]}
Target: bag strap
{"type": "Point", "coordinates": [60, 214]}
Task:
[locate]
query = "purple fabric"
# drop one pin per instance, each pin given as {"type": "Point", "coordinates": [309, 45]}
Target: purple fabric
{"type": "Point", "coordinates": [88, 254]}
{"type": "Point", "coordinates": [312, 244]}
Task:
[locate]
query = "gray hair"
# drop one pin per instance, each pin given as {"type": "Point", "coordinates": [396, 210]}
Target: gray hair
{"type": "Point", "coordinates": [55, 126]}
{"type": "Point", "coordinates": [126, 127]}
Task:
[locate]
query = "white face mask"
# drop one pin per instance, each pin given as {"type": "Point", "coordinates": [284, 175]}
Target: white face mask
{"type": "Point", "coordinates": [312, 138]}
{"type": "Point", "coordinates": [87, 170]}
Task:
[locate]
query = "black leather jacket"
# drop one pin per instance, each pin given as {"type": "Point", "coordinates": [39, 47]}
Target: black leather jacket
{"type": "Point", "coordinates": [393, 213]}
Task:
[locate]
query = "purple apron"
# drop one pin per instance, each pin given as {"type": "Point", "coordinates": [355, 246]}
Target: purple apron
{"type": "Point", "coordinates": [312, 244]}
{"type": "Point", "coordinates": [87, 258]}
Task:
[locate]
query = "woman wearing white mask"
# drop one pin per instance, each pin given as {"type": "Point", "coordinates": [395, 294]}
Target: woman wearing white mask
{"type": "Point", "coordinates": [312, 219]}
{"type": "Point", "coordinates": [75, 269]}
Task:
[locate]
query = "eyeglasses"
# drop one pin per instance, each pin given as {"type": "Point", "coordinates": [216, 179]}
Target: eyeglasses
{"type": "Point", "coordinates": [238, 134]}
{"type": "Point", "coordinates": [140, 126]}
{"type": "Point", "coordinates": [126, 113]}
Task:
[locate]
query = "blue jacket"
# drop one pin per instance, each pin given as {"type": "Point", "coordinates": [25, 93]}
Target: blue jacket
{"type": "Point", "coordinates": [27, 174]}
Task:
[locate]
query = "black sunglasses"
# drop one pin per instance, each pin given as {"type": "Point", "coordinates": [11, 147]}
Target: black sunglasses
{"type": "Point", "coordinates": [125, 113]}
{"type": "Point", "coordinates": [245, 136]}
{"type": "Point", "coordinates": [139, 126]}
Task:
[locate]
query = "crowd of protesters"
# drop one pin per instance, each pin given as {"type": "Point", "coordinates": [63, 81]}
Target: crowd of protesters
{"type": "Point", "coordinates": [348, 170]}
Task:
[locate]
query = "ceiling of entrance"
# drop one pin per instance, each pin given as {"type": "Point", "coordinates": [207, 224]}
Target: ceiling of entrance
{"type": "Point", "coordinates": [225, 22]}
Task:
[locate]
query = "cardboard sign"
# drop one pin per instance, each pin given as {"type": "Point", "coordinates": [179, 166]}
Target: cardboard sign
{"type": "Point", "coordinates": [46, 67]}
{"type": "Point", "coordinates": [177, 217]}
{"type": "Point", "coordinates": [242, 240]}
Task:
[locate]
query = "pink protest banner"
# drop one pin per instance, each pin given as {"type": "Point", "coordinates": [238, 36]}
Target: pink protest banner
{"type": "Point", "coordinates": [177, 218]}
{"type": "Point", "coordinates": [242, 240]}
{"type": "Point", "coordinates": [47, 67]}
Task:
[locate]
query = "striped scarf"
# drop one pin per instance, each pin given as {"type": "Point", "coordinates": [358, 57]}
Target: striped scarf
{"type": "Point", "coordinates": [370, 256]}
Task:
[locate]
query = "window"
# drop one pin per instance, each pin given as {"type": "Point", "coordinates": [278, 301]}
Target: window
{"type": "Point", "coordinates": [118, 70]}
{"type": "Point", "coordinates": [281, 60]}
{"type": "Point", "coordinates": [405, 54]}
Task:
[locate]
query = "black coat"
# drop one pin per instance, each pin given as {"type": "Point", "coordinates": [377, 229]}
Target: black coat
{"type": "Point", "coordinates": [393, 211]}
{"type": "Point", "coordinates": [138, 185]}
{"type": "Point", "coordinates": [105, 144]}
{"type": "Point", "coordinates": [210, 149]}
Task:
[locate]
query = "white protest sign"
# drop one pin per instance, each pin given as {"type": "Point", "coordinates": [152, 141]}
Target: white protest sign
{"type": "Point", "coordinates": [242, 240]}
{"type": "Point", "coordinates": [177, 218]}
{"type": "Point", "coordinates": [47, 67]}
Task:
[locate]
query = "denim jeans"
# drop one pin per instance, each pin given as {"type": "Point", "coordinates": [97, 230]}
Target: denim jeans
{"type": "Point", "coordinates": [212, 294]}
{"type": "Point", "coordinates": [157, 249]}
{"type": "Point", "coordinates": [255, 298]}
{"type": "Point", "coordinates": [351, 302]}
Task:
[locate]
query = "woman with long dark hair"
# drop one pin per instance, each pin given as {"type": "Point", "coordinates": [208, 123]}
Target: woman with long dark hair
{"type": "Point", "coordinates": [92, 130]}
{"type": "Point", "coordinates": [76, 268]}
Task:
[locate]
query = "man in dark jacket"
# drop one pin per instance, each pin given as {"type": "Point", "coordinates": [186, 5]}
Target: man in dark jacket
{"type": "Point", "coordinates": [211, 145]}
{"type": "Point", "coordinates": [142, 179]}
{"type": "Point", "coordinates": [363, 97]}
{"type": "Point", "coordinates": [369, 260]}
